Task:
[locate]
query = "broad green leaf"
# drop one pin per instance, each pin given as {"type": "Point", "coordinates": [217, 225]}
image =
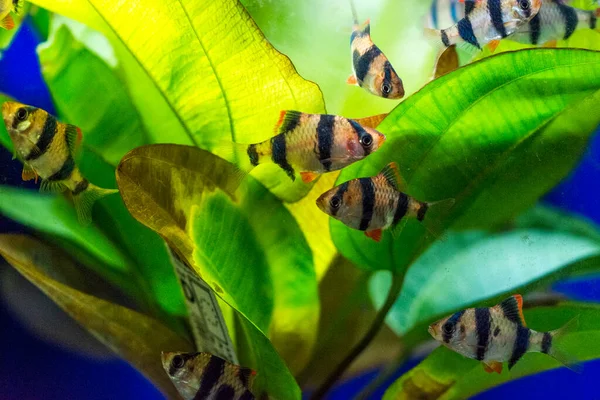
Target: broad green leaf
{"type": "Point", "coordinates": [315, 224]}
{"type": "Point", "coordinates": [134, 336]}
{"type": "Point", "coordinates": [54, 215]}
{"type": "Point", "coordinates": [103, 110]}
{"type": "Point", "coordinates": [467, 269]}
{"type": "Point", "coordinates": [471, 144]}
{"type": "Point", "coordinates": [262, 265]}
{"type": "Point", "coordinates": [447, 375]}
{"type": "Point", "coordinates": [231, 84]}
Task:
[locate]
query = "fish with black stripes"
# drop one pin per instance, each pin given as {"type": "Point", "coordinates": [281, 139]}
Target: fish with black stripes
{"type": "Point", "coordinates": [47, 148]}
{"type": "Point", "coordinates": [6, 7]}
{"type": "Point", "coordinates": [499, 334]}
{"type": "Point", "coordinates": [377, 203]}
{"type": "Point", "coordinates": [315, 144]}
{"type": "Point", "coordinates": [556, 21]}
{"type": "Point", "coordinates": [208, 377]}
{"type": "Point", "coordinates": [372, 69]}
{"type": "Point", "coordinates": [485, 21]}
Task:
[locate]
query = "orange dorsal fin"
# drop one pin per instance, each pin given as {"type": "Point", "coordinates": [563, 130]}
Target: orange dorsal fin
{"type": "Point", "coordinates": [288, 120]}
{"type": "Point", "coordinates": [492, 366]}
{"type": "Point", "coordinates": [513, 309]}
{"type": "Point", "coordinates": [392, 175]}
{"type": "Point", "coordinates": [494, 45]}
{"type": "Point", "coordinates": [308, 177]}
{"type": "Point", "coordinates": [374, 234]}
{"type": "Point", "coordinates": [352, 80]}
{"type": "Point", "coordinates": [7, 23]}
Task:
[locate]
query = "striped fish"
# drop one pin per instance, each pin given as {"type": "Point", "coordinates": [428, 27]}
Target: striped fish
{"type": "Point", "coordinates": [555, 21]}
{"type": "Point", "coordinates": [372, 69]}
{"type": "Point", "coordinates": [314, 144]}
{"type": "Point", "coordinates": [374, 204]}
{"type": "Point", "coordinates": [203, 376]}
{"type": "Point", "coordinates": [46, 148]}
{"type": "Point", "coordinates": [485, 21]}
{"type": "Point", "coordinates": [6, 7]}
{"type": "Point", "coordinates": [498, 334]}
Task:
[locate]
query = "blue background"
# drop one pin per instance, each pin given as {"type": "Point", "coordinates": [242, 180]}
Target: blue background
{"type": "Point", "coordinates": [33, 369]}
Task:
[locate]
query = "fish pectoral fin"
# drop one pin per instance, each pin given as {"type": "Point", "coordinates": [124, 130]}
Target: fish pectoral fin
{"type": "Point", "coordinates": [374, 234]}
{"type": "Point", "coordinates": [28, 173]}
{"type": "Point", "coordinates": [492, 366]}
{"type": "Point", "coordinates": [7, 23]}
{"type": "Point", "coordinates": [352, 80]}
{"type": "Point", "coordinates": [52, 187]}
{"type": "Point", "coordinates": [494, 45]}
{"type": "Point", "coordinates": [308, 177]}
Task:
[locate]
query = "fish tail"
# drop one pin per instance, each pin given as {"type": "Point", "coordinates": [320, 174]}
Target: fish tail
{"type": "Point", "coordinates": [433, 215]}
{"type": "Point", "coordinates": [84, 197]}
{"type": "Point", "coordinates": [438, 39]}
{"type": "Point", "coordinates": [236, 153]}
{"type": "Point", "coordinates": [549, 346]}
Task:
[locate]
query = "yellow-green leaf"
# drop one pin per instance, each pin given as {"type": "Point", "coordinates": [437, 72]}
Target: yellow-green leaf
{"type": "Point", "coordinates": [237, 236]}
{"type": "Point", "coordinates": [134, 336]}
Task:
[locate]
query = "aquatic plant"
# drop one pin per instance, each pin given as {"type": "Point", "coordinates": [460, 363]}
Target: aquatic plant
{"type": "Point", "coordinates": [158, 86]}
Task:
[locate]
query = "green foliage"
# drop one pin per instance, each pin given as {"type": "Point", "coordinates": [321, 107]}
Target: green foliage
{"type": "Point", "coordinates": [448, 375]}
{"type": "Point", "coordinates": [474, 266]}
{"type": "Point", "coordinates": [495, 135]}
{"type": "Point", "coordinates": [450, 144]}
{"type": "Point", "coordinates": [134, 336]}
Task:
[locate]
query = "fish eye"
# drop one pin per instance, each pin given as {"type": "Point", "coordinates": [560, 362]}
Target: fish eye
{"type": "Point", "coordinates": [386, 88]}
{"type": "Point", "coordinates": [177, 362]}
{"type": "Point", "coordinates": [524, 4]}
{"type": "Point", "coordinates": [335, 203]}
{"type": "Point", "coordinates": [447, 328]}
{"type": "Point", "coordinates": [366, 140]}
{"type": "Point", "coordinates": [22, 114]}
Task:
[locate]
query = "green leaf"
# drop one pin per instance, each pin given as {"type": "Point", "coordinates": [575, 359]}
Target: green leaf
{"type": "Point", "coordinates": [104, 111]}
{"type": "Point", "coordinates": [447, 375]}
{"type": "Point", "coordinates": [244, 81]}
{"type": "Point", "coordinates": [448, 276]}
{"type": "Point", "coordinates": [473, 146]}
{"type": "Point", "coordinates": [7, 36]}
{"type": "Point", "coordinates": [262, 265]}
{"type": "Point", "coordinates": [55, 216]}
{"type": "Point", "coordinates": [134, 336]}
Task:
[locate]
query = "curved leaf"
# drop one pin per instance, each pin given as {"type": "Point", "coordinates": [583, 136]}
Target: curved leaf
{"type": "Point", "coordinates": [447, 375]}
{"type": "Point", "coordinates": [134, 336]}
{"type": "Point", "coordinates": [262, 265]}
{"type": "Point", "coordinates": [449, 275]}
{"type": "Point", "coordinates": [234, 82]}
{"type": "Point", "coordinates": [498, 143]}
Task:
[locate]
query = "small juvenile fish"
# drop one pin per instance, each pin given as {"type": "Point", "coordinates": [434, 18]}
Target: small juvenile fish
{"type": "Point", "coordinates": [374, 204]}
{"type": "Point", "coordinates": [498, 334]}
{"type": "Point", "coordinates": [372, 69]}
{"type": "Point", "coordinates": [208, 377]}
{"type": "Point", "coordinates": [485, 21]}
{"type": "Point", "coordinates": [6, 7]}
{"type": "Point", "coordinates": [555, 21]}
{"type": "Point", "coordinates": [315, 144]}
{"type": "Point", "coordinates": [46, 148]}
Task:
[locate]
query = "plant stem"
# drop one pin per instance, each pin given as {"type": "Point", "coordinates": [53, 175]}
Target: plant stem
{"type": "Point", "coordinates": [397, 282]}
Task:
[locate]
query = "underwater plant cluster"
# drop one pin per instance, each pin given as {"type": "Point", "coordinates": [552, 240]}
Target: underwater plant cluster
{"type": "Point", "coordinates": [227, 261]}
